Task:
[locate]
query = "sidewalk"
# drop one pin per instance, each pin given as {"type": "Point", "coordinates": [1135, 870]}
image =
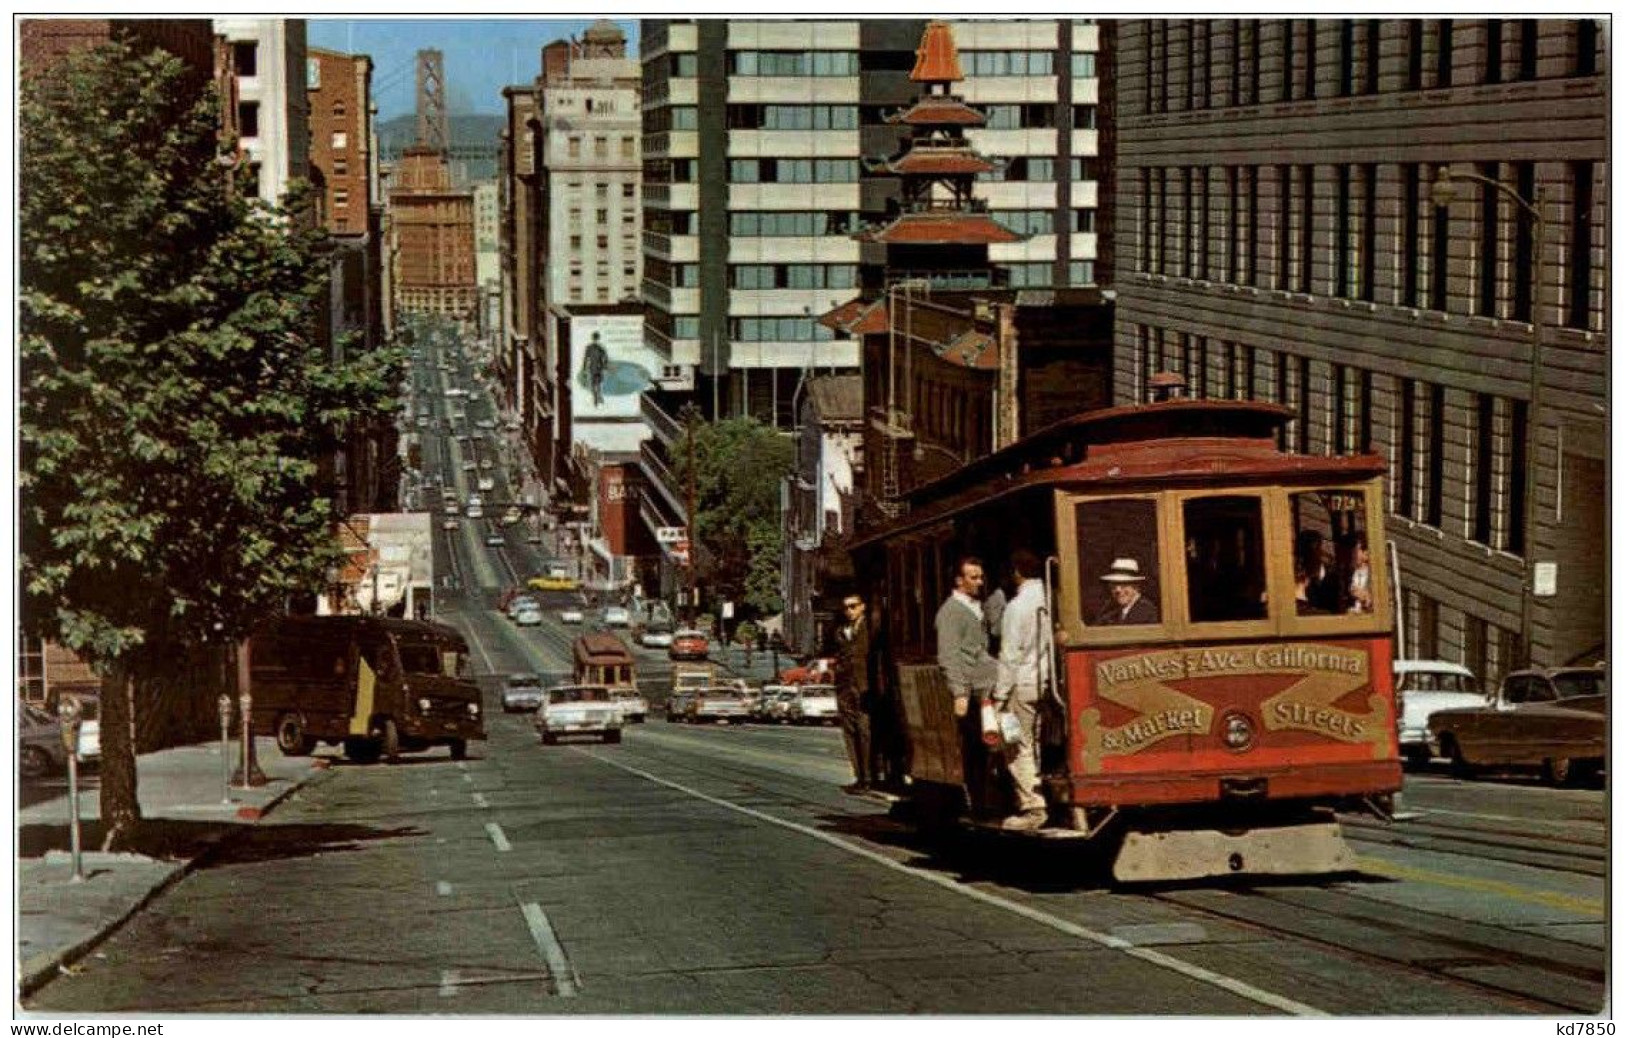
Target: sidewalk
{"type": "Point", "coordinates": [60, 921]}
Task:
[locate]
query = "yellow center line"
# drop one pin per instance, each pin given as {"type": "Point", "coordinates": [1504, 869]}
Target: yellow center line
{"type": "Point", "coordinates": [1578, 905]}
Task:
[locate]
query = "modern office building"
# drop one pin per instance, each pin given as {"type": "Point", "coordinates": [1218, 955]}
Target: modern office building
{"type": "Point", "coordinates": [1278, 237]}
{"type": "Point", "coordinates": [755, 185]}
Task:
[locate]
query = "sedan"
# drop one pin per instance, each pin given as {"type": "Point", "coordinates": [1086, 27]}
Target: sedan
{"type": "Point", "coordinates": [1553, 719]}
{"type": "Point", "coordinates": [616, 616]}
{"type": "Point", "coordinates": [39, 743]}
{"type": "Point", "coordinates": [528, 616]}
{"type": "Point", "coordinates": [451, 523]}
{"type": "Point", "coordinates": [494, 540]}
{"type": "Point", "coordinates": [656, 639]}
{"type": "Point", "coordinates": [689, 645]}
{"type": "Point", "coordinates": [579, 710]}
{"type": "Point", "coordinates": [487, 483]}
{"type": "Point", "coordinates": [522, 693]}
{"type": "Point", "coordinates": [571, 615]}
{"type": "Point", "coordinates": [814, 705]}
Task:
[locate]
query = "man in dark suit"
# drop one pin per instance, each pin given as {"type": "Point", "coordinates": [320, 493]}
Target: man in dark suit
{"type": "Point", "coordinates": [1128, 604]}
{"type": "Point", "coordinates": [852, 693]}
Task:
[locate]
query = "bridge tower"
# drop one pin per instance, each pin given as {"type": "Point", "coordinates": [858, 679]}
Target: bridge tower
{"type": "Point", "coordinates": [431, 106]}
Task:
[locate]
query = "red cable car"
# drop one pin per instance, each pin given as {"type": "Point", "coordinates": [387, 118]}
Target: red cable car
{"type": "Point", "coordinates": [1220, 675]}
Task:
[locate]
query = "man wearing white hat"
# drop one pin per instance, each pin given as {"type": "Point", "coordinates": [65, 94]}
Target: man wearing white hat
{"type": "Point", "coordinates": [1128, 605]}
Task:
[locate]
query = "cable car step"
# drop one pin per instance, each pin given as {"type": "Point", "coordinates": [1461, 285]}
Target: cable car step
{"type": "Point", "coordinates": [1287, 850]}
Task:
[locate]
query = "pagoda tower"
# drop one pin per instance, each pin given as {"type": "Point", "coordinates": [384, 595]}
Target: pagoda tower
{"type": "Point", "coordinates": [937, 231]}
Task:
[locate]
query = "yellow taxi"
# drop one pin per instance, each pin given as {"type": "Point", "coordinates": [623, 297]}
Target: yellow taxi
{"type": "Point", "coordinates": [555, 579]}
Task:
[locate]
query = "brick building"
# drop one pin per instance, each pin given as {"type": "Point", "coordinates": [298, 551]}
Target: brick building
{"type": "Point", "coordinates": [44, 41]}
{"type": "Point", "coordinates": [433, 225]}
{"type": "Point", "coordinates": [1277, 238]}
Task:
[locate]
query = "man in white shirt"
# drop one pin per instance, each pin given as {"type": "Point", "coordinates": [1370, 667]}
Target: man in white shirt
{"type": "Point", "coordinates": [1023, 661]}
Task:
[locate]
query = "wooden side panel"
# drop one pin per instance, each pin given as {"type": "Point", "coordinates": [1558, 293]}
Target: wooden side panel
{"type": "Point", "coordinates": [934, 753]}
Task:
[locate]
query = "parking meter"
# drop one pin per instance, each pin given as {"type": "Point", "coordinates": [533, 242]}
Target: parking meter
{"type": "Point", "coordinates": [223, 703]}
{"type": "Point", "coordinates": [69, 713]}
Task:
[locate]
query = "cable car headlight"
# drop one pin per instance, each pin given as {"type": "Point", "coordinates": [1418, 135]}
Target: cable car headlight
{"type": "Point", "coordinates": [1238, 731]}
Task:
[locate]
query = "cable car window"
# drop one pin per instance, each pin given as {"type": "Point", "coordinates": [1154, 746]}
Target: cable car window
{"type": "Point", "coordinates": [1118, 568]}
{"type": "Point", "coordinates": [1224, 558]}
{"type": "Point", "coordinates": [1331, 558]}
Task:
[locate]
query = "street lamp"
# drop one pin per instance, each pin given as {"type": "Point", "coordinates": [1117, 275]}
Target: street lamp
{"type": "Point", "coordinates": [1442, 194]}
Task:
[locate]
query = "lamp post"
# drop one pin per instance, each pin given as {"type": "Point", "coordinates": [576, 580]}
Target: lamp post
{"type": "Point", "coordinates": [1443, 193]}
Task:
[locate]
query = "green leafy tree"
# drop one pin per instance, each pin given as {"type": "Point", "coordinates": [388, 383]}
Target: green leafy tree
{"type": "Point", "coordinates": [173, 406]}
{"type": "Point", "coordinates": [738, 467]}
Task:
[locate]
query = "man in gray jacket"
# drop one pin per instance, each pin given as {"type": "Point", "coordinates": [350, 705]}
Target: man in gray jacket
{"type": "Point", "coordinates": [966, 666]}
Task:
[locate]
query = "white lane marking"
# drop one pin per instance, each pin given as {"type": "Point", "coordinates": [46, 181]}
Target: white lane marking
{"type": "Point", "coordinates": [448, 983]}
{"type": "Point", "coordinates": [443, 888]}
{"type": "Point", "coordinates": [479, 800]}
{"type": "Point", "coordinates": [467, 777]}
{"type": "Point", "coordinates": [475, 638]}
{"type": "Point", "coordinates": [494, 831]}
{"type": "Point", "coordinates": [558, 964]}
{"type": "Point", "coordinates": [1156, 958]}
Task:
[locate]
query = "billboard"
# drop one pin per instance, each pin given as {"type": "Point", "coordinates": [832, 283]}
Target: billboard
{"type": "Point", "coordinates": [610, 367]}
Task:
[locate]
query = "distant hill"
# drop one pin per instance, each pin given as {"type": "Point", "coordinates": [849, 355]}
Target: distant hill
{"type": "Point", "coordinates": [476, 143]}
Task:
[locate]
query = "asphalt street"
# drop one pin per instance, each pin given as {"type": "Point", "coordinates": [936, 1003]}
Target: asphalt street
{"type": "Point", "coordinates": [719, 870]}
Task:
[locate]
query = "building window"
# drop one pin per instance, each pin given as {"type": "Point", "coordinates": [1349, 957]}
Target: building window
{"type": "Point", "coordinates": [1373, 54]}
{"type": "Point", "coordinates": [341, 167]}
{"type": "Point", "coordinates": [245, 58]}
{"type": "Point", "coordinates": [572, 147]}
{"type": "Point", "coordinates": [1147, 232]}
{"type": "Point", "coordinates": [1345, 57]}
{"type": "Point", "coordinates": [1083, 66]}
{"type": "Point", "coordinates": [685, 117]}
{"type": "Point", "coordinates": [1309, 51]}
{"type": "Point", "coordinates": [1517, 478]}
{"type": "Point", "coordinates": [575, 242]}
{"type": "Point", "coordinates": [1585, 47]}
{"type": "Point", "coordinates": [1187, 217]}
{"type": "Point", "coordinates": [341, 140]}
{"type": "Point", "coordinates": [1483, 483]}
{"type": "Point", "coordinates": [1439, 258]}
{"type": "Point", "coordinates": [1283, 250]}
{"type": "Point", "coordinates": [1200, 230]}
{"type": "Point", "coordinates": [1528, 48]}
{"type": "Point", "coordinates": [1492, 49]}
{"type": "Point", "coordinates": [1081, 272]}
{"type": "Point", "coordinates": [1367, 286]}
{"type": "Point", "coordinates": [1285, 28]}
{"type": "Point", "coordinates": [1434, 513]}
{"type": "Point", "coordinates": [1410, 233]}
{"type": "Point", "coordinates": [1413, 54]}
{"type": "Point", "coordinates": [1306, 232]}
{"type": "Point", "coordinates": [341, 198]}
{"type": "Point", "coordinates": [1232, 237]}
{"type": "Point", "coordinates": [248, 118]}
{"type": "Point", "coordinates": [1445, 58]}
{"type": "Point", "coordinates": [1344, 245]}
{"type": "Point", "coordinates": [1084, 117]}
{"type": "Point", "coordinates": [1523, 245]}
{"type": "Point", "coordinates": [1579, 254]}
{"type": "Point", "coordinates": [1083, 221]}
{"type": "Point", "coordinates": [1301, 377]}
{"type": "Point", "coordinates": [1405, 491]}
{"type": "Point", "coordinates": [795, 63]}
{"type": "Point", "coordinates": [1489, 227]}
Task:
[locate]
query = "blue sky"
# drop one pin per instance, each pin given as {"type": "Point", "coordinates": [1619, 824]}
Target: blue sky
{"type": "Point", "coordinates": [482, 55]}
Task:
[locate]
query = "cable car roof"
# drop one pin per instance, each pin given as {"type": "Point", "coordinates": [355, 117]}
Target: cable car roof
{"type": "Point", "coordinates": [1171, 442]}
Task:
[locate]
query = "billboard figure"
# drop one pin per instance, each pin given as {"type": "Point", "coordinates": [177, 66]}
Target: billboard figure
{"type": "Point", "coordinates": [596, 362]}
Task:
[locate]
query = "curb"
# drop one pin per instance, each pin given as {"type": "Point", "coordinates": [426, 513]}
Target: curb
{"type": "Point", "coordinates": [35, 975]}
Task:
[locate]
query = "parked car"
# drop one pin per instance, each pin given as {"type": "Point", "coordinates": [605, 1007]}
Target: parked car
{"type": "Point", "coordinates": [528, 616]}
{"type": "Point", "coordinates": [520, 601]}
{"type": "Point", "coordinates": [1422, 687]}
{"type": "Point", "coordinates": [522, 693]}
{"type": "Point", "coordinates": [778, 711]}
{"type": "Point", "coordinates": [40, 751]}
{"type": "Point", "coordinates": [1551, 718]}
{"type": "Point", "coordinates": [763, 705]}
{"type": "Point", "coordinates": [579, 710]}
{"type": "Point", "coordinates": [494, 540]}
{"type": "Point", "coordinates": [634, 708]}
{"type": "Point", "coordinates": [677, 704]}
{"type": "Point", "coordinates": [616, 616]}
{"type": "Point", "coordinates": [718, 704]}
{"type": "Point", "coordinates": [571, 615]}
{"type": "Point", "coordinates": [813, 704]}
{"type": "Point", "coordinates": [689, 645]}
{"type": "Point", "coordinates": [450, 523]}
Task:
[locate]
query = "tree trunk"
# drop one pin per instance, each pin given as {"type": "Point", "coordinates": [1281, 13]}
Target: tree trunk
{"type": "Point", "coordinates": [121, 805]}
